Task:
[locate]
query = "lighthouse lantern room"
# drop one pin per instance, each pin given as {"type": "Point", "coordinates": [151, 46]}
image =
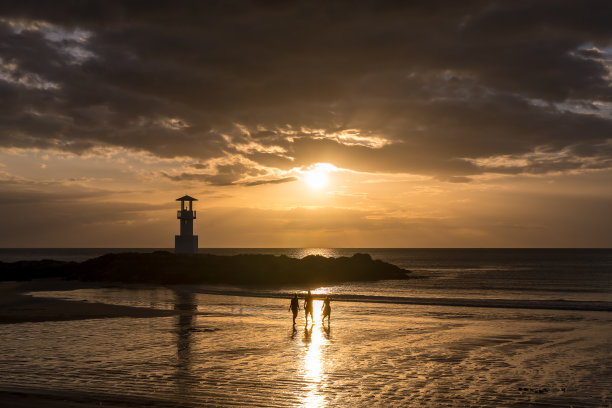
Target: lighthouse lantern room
{"type": "Point", "coordinates": [186, 242]}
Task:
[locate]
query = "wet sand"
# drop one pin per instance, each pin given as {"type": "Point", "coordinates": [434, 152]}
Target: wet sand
{"type": "Point", "coordinates": [219, 350]}
{"type": "Point", "coordinates": [18, 307]}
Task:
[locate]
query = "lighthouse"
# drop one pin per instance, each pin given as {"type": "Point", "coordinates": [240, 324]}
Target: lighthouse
{"type": "Point", "coordinates": [186, 242]}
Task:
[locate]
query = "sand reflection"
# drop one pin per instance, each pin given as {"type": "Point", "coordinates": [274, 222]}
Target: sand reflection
{"type": "Point", "coordinates": [185, 303]}
{"type": "Point", "coordinates": [315, 338]}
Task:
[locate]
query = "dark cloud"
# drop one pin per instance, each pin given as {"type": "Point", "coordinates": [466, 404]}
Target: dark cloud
{"type": "Point", "coordinates": [225, 179]}
{"type": "Point", "coordinates": [456, 179]}
{"type": "Point", "coordinates": [444, 83]}
{"type": "Point", "coordinates": [229, 174]}
{"type": "Point", "coordinates": [273, 181]}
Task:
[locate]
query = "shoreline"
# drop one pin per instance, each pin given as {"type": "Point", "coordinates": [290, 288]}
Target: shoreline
{"type": "Point", "coordinates": [569, 305]}
{"type": "Point", "coordinates": [16, 306]}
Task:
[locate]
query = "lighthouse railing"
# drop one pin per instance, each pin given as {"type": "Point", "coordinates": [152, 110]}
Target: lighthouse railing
{"type": "Point", "coordinates": [185, 214]}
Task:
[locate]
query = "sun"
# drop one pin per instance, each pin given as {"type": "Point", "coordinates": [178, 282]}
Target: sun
{"type": "Point", "coordinates": [316, 178]}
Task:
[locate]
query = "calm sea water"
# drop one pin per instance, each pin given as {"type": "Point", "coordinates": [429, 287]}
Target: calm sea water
{"type": "Point", "coordinates": [225, 350]}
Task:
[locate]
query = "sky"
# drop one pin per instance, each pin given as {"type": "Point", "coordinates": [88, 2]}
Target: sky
{"type": "Point", "coordinates": [306, 123]}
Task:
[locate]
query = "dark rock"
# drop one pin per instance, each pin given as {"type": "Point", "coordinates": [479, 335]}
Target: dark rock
{"type": "Point", "coordinates": [167, 268]}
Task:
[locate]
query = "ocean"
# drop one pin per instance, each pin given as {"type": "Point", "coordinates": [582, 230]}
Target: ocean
{"type": "Point", "coordinates": [482, 327]}
{"type": "Point", "coordinates": [510, 274]}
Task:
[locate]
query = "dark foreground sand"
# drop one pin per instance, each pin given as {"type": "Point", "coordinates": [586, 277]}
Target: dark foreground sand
{"type": "Point", "coordinates": [45, 398]}
{"type": "Point", "coordinates": [27, 400]}
{"type": "Point", "coordinates": [18, 307]}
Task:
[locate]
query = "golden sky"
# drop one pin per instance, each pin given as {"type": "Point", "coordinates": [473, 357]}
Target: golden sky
{"type": "Point", "coordinates": [305, 124]}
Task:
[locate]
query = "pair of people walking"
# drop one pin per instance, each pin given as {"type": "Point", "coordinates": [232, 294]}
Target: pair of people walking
{"type": "Point", "coordinates": [309, 308]}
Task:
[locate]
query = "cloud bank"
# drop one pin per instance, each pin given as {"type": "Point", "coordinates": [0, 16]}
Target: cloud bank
{"type": "Point", "coordinates": [447, 89]}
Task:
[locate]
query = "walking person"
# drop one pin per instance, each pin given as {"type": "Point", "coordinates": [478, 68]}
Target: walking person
{"type": "Point", "coordinates": [326, 310]}
{"type": "Point", "coordinates": [308, 309]}
{"type": "Point", "coordinates": [294, 306]}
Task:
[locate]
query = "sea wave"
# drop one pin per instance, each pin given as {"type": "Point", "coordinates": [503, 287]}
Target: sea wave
{"type": "Point", "coordinates": [599, 306]}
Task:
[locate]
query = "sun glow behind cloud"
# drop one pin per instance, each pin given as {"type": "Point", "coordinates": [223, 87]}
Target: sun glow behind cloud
{"type": "Point", "coordinates": [316, 179]}
{"type": "Point", "coordinates": [317, 176]}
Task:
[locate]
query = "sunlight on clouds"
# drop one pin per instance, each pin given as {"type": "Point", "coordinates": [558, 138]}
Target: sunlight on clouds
{"type": "Point", "coordinates": [246, 143]}
{"type": "Point", "coordinates": [542, 162]}
{"type": "Point", "coordinates": [501, 161]}
{"type": "Point", "coordinates": [348, 137]}
{"type": "Point", "coordinates": [173, 123]}
{"type": "Point", "coordinates": [72, 43]}
{"type": "Point", "coordinates": [10, 72]}
{"type": "Point", "coordinates": [20, 25]}
{"type": "Point", "coordinates": [257, 147]}
{"type": "Point", "coordinates": [353, 137]}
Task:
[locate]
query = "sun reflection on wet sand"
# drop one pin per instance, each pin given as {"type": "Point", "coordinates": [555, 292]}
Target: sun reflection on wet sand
{"type": "Point", "coordinates": [314, 375]}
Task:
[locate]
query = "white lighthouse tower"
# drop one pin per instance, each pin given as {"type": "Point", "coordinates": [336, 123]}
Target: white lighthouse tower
{"type": "Point", "coordinates": [186, 243]}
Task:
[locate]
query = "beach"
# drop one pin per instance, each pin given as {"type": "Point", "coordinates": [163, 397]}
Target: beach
{"type": "Point", "coordinates": [433, 178]}
{"type": "Point", "coordinates": [16, 306]}
{"type": "Point", "coordinates": [175, 346]}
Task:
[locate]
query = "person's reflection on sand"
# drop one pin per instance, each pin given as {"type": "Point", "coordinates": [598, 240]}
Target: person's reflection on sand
{"type": "Point", "coordinates": [326, 331]}
{"type": "Point", "coordinates": [307, 333]}
{"type": "Point", "coordinates": [185, 304]}
{"type": "Point", "coordinates": [293, 332]}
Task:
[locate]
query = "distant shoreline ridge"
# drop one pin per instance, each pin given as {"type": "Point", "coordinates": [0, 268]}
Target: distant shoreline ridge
{"type": "Point", "coordinates": [163, 267]}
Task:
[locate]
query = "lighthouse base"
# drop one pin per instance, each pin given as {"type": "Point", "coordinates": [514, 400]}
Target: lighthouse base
{"type": "Point", "coordinates": [186, 244]}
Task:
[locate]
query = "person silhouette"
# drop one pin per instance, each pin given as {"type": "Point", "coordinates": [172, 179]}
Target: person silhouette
{"type": "Point", "coordinates": [326, 310]}
{"type": "Point", "coordinates": [294, 306]}
{"type": "Point", "coordinates": [308, 309]}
